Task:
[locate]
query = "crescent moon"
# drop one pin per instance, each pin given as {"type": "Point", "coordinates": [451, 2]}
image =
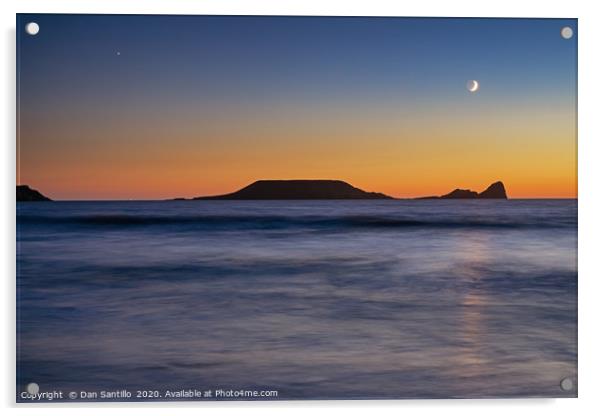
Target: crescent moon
{"type": "Point", "coordinates": [474, 85]}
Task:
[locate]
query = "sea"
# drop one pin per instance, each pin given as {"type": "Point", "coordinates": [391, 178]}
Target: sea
{"type": "Point", "coordinates": [292, 300]}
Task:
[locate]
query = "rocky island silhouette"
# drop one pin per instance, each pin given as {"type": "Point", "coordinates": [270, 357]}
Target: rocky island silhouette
{"type": "Point", "coordinates": [299, 189]}
{"type": "Point", "coordinates": [336, 189]}
{"type": "Point", "coordinates": [494, 191]}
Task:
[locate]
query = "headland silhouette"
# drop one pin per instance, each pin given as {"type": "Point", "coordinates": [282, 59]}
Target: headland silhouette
{"type": "Point", "coordinates": [303, 189]}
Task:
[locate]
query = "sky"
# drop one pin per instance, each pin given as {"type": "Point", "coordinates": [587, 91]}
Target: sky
{"type": "Point", "coordinates": [155, 107]}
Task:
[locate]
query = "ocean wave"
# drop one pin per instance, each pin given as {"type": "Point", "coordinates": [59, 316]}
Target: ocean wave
{"type": "Point", "coordinates": [279, 222]}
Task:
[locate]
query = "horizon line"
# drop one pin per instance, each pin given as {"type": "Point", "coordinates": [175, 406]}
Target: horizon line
{"type": "Point", "coordinates": [303, 199]}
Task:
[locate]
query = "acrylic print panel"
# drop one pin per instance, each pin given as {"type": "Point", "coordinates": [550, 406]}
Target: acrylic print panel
{"type": "Point", "coordinates": [274, 208]}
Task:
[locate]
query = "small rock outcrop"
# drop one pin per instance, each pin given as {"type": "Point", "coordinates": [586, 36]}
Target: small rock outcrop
{"type": "Point", "coordinates": [495, 191]}
{"type": "Point", "coordinates": [460, 194]}
{"type": "Point", "coordinates": [27, 194]}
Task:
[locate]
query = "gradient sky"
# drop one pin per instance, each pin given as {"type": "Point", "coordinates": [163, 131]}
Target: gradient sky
{"type": "Point", "coordinates": [146, 107]}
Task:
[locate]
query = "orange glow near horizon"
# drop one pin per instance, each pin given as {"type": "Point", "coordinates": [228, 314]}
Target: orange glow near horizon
{"type": "Point", "coordinates": [534, 155]}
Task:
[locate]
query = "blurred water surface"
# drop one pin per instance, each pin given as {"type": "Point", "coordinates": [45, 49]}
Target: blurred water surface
{"type": "Point", "coordinates": [315, 299]}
